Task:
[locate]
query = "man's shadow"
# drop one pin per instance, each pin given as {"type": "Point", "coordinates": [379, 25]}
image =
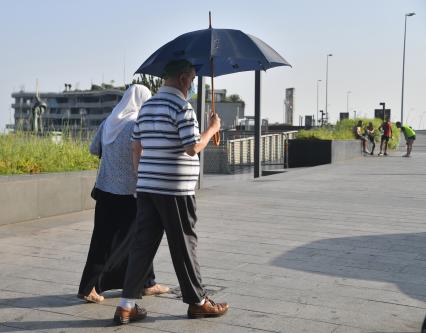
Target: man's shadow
{"type": "Point", "coordinates": [53, 302]}
{"type": "Point", "coordinates": [395, 258]}
{"type": "Point", "coordinates": [15, 326]}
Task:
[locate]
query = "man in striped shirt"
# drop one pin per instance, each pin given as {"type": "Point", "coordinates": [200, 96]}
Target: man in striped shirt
{"type": "Point", "coordinates": [166, 140]}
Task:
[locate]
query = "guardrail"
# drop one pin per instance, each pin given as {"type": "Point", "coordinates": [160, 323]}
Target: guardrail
{"type": "Point", "coordinates": [273, 149]}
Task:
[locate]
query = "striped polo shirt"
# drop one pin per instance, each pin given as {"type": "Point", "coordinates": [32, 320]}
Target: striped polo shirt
{"type": "Point", "coordinates": [166, 126]}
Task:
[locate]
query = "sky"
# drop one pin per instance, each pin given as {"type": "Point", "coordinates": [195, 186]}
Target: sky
{"type": "Point", "coordinates": [83, 42]}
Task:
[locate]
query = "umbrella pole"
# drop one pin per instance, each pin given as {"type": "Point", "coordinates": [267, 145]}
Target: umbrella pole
{"type": "Point", "coordinates": [216, 137]}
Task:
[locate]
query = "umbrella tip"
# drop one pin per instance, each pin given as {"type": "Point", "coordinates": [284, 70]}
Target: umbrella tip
{"type": "Point", "coordinates": [210, 19]}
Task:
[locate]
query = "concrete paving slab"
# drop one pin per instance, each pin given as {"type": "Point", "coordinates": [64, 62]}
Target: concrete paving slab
{"type": "Point", "coordinates": [336, 248]}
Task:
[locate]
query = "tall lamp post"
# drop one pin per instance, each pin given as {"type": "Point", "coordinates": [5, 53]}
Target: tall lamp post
{"type": "Point", "coordinates": [403, 67]}
{"type": "Point", "coordinates": [347, 101]}
{"type": "Point", "coordinates": [326, 85]}
{"type": "Point", "coordinates": [318, 81]}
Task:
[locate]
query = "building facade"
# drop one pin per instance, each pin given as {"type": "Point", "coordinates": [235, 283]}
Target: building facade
{"type": "Point", "coordinates": [289, 105]}
{"type": "Point", "coordinates": [70, 109]}
{"type": "Point", "coordinates": [86, 109]}
{"type": "Point", "coordinates": [230, 109]}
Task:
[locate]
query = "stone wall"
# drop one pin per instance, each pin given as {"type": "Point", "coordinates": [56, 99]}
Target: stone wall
{"type": "Point", "coordinates": [29, 197]}
{"type": "Point", "coordinates": [342, 150]}
{"type": "Point", "coordinates": [216, 160]}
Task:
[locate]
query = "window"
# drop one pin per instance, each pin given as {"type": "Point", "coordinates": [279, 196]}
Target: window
{"type": "Point", "coordinates": [94, 110]}
{"type": "Point", "coordinates": [89, 99]}
{"type": "Point", "coordinates": [62, 100]}
{"type": "Point", "coordinates": [109, 98]}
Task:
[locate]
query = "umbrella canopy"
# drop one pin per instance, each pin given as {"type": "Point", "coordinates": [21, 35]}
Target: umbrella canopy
{"type": "Point", "coordinates": [231, 51]}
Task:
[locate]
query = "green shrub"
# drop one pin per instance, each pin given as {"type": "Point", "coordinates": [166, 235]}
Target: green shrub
{"type": "Point", "coordinates": [23, 153]}
{"type": "Point", "coordinates": [343, 130]}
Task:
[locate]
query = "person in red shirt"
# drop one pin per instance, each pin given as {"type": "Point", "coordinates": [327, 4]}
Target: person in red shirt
{"type": "Point", "coordinates": [386, 129]}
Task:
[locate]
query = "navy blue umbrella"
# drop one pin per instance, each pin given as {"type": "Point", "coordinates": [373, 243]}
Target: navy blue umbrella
{"type": "Point", "coordinates": [230, 51]}
{"type": "Point", "coordinates": [214, 52]}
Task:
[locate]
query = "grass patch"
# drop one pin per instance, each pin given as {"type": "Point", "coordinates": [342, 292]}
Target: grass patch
{"type": "Point", "coordinates": [343, 130]}
{"type": "Point", "coordinates": [26, 153]}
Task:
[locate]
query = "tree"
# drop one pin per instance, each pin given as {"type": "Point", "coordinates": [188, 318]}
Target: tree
{"type": "Point", "coordinates": [151, 82]}
{"type": "Point", "coordinates": [234, 98]}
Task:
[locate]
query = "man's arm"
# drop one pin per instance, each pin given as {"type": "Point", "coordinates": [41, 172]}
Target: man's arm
{"type": "Point", "coordinates": [136, 154]}
{"type": "Point", "coordinates": [205, 137]}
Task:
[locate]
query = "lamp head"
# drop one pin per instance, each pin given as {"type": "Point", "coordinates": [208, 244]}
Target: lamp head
{"type": "Point", "coordinates": [410, 14]}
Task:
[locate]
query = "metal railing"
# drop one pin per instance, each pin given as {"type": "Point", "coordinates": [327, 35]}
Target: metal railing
{"type": "Point", "coordinates": [273, 149]}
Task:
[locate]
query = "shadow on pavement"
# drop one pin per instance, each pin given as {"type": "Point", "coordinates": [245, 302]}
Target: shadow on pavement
{"type": "Point", "coordinates": [75, 322]}
{"type": "Point", "coordinates": [51, 301]}
{"type": "Point", "coordinates": [395, 258]}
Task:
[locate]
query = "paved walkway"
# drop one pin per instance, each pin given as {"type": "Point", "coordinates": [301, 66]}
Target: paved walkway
{"type": "Point", "coordinates": [335, 248]}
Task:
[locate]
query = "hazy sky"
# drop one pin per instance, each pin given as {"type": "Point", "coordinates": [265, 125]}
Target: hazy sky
{"type": "Point", "coordinates": [86, 41]}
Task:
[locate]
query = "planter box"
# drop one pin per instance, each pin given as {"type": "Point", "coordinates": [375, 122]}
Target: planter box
{"type": "Point", "coordinates": [303, 153]}
{"type": "Point", "coordinates": [27, 197]}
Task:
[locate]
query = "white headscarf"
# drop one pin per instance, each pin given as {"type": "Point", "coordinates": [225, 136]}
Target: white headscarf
{"type": "Point", "coordinates": [126, 110]}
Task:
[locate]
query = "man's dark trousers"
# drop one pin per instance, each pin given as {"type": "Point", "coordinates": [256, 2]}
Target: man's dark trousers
{"type": "Point", "coordinates": [176, 215]}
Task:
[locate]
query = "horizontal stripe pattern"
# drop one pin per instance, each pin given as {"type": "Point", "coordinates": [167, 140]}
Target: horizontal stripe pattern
{"type": "Point", "coordinates": [166, 126]}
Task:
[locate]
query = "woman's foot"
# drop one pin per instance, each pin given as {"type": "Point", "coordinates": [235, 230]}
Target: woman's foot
{"type": "Point", "coordinates": [93, 297]}
{"type": "Point", "coordinates": [156, 289]}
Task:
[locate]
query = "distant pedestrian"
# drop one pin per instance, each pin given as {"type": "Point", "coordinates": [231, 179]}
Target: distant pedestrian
{"type": "Point", "coordinates": [386, 129]}
{"type": "Point", "coordinates": [371, 135]}
{"type": "Point", "coordinates": [167, 134]}
{"type": "Point", "coordinates": [360, 135]}
{"type": "Point", "coordinates": [115, 209]}
{"type": "Point", "coordinates": [409, 135]}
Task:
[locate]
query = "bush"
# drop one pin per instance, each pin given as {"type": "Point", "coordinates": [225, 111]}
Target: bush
{"type": "Point", "coordinates": [23, 153]}
{"type": "Point", "coordinates": [343, 130]}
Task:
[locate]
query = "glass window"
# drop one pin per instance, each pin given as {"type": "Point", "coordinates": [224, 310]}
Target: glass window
{"type": "Point", "coordinates": [62, 100]}
{"type": "Point", "coordinates": [109, 98]}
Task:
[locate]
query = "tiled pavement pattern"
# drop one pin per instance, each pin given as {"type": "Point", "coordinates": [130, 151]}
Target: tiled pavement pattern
{"type": "Point", "coordinates": [336, 248]}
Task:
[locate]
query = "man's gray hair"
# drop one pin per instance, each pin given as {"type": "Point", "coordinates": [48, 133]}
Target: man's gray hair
{"type": "Point", "coordinates": [177, 67]}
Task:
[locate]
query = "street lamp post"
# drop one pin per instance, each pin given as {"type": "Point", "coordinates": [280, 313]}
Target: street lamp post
{"type": "Point", "coordinates": [318, 81]}
{"type": "Point", "coordinates": [347, 101]}
{"type": "Point", "coordinates": [403, 67]}
{"type": "Point", "coordinates": [326, 84]}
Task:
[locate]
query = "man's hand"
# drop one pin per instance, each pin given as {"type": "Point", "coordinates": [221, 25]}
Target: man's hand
{"type": "Point", "coordinates": [214, 122]}
{"type": "Point", "coordinates": [214, 127]}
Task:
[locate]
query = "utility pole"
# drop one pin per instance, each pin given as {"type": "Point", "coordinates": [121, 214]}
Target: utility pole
{"type": "Point", "coordinates": [403, 67]}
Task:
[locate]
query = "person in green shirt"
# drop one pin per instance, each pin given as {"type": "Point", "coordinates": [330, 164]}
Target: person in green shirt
{"type": "Point", "coordinates": [409, 135]}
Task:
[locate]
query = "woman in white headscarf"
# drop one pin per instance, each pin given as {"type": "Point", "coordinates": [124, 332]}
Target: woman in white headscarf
{"type": "Point", "coordinates": [115, 208]}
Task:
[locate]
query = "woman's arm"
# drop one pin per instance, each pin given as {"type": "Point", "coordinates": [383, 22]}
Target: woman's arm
{"type": "Point", "coordinates": [96, 144]}
{"type": "Point", "coordinates": [136, 154]}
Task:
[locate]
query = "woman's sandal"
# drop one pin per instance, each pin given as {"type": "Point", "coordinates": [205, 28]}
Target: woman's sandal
{"type": "Point", "coordinates": [91, 298]}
